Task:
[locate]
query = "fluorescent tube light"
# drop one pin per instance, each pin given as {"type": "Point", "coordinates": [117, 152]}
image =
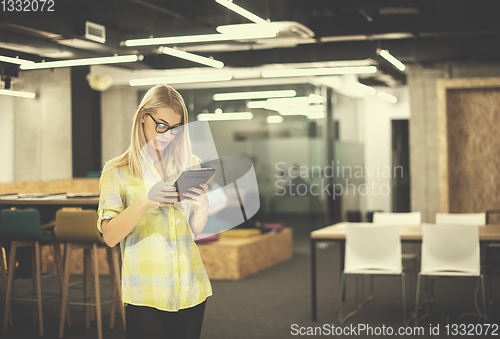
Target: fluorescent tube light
{"type": "Point", "coordinates": [274, 119]}
{"type": "Point", "coordinates": [267, 28]}
{"type": "Point", "coordinates": [241, 11]}
{"type": "Point", "coordinates": [360, 88]}
{"type": "Point", "coordinates": [15, 60]}
{"type": "Point", "coordinates": [280, 103]}
{"type": "Point", "coordinates": [83, 62]}
{"type": "Point", "coordinates": [199, 38]}
{"type": "Point", "coordinates": [17, 93]}
{"type": "Point", "coordinates": [387, 97]}
{"type": "Point", "coordinates": [316, 115]}
{"type": "Point", "coordinates": [193, 57]}
{"type": "Point", "coordinates": [392, 59]}
{"type": "Point", "coordinates": [225, 116]}
{"type": "Point", "coordinates": [254, 95]}
{"type": "Point", "coordinates": [318, 71]}
{"type": "Point", "coordinates": [301, 110]}
{"type": "Point", "coordinates": [181, 79]}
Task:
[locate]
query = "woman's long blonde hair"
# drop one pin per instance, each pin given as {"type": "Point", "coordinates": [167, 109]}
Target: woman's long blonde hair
{"type": "Point", "coordinates": [180, 147]}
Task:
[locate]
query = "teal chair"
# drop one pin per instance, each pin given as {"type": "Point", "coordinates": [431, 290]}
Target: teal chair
{"type": "Point", "coordinates": [22, 227]}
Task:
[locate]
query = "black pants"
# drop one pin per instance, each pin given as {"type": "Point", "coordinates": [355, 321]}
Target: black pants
{"type": "Point", "coordinates": [150, 323]}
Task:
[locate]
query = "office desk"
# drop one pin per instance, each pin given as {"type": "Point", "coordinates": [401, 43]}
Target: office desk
{"type": "Point", "coordinates": [336, 233]}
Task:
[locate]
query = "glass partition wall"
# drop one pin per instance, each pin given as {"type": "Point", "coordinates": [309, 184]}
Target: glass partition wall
{"type": "Point", "coordinates": [287, 141]}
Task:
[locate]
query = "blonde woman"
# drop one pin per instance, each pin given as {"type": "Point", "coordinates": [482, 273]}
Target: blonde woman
{"type": "Point", "coordinates": [164, 282]}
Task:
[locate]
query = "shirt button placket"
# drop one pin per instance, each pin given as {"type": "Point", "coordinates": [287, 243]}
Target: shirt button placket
{"type": "Point", "coordinates": [176, 259]}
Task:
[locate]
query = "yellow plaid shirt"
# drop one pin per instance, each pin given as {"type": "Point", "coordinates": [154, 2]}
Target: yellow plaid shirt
{"type": "Point", "coordinates": [162, 267]}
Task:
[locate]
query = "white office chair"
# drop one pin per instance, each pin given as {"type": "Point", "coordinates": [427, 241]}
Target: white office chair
{"type": "Point", "coordinates": [371, 250]}
{"type": "Point", "coordinates": [450, 251]}
{"type": "Point", "coordinates": [402, 218]}
{"type": "Point", "coordinates": [409, 218]}
{"type": "Point", "coordinates": [461, 218]}
{"type": "Point", "coordinates": [389, 218]}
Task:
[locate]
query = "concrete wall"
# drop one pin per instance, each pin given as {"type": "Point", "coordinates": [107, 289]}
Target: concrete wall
{"type": "Point", "coordinates": [7, 138]}
{"type": "Point", "coordinates": [377, 137]}
{"type": "Point", "coordinates": [37, 132]}
{"type": "Point", "coordinates": [423, 128]}
{"type": "Point", "coordinates": [118, 105]}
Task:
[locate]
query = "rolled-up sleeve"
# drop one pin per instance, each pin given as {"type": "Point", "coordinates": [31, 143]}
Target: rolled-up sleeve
{"type": "Point", "coordinates": [112, 197]}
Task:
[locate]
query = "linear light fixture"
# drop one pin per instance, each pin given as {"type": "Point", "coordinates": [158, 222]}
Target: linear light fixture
{"type": "Point", "coordinates": [193, 57]}
{"type": "Point", "coordinates": [387, 97]}
{"type": "Point", "coordinates": [182, 79]}
{"type": "Point", "coordinates": [274, 119]}
{"type": "Point", "coordinates": [280, 103]}
{"type": "Point", "coordinates": [15, 60]}
{"type": "Point", "coordinates": [17, 94]}
{"type": "Point", "coordinates": [316, 115]}
{"type": "Point", "coordinates": [293, 72]}
{"type": "Point", "coordinates": [225, 116]}
{"type": "Point", "coordinates": [241, 11]}
{"type": "Point", "coordinates": [200, 38]}
{"type": "Point", "coordinates": [267, 28]}
{"type": "Point", "coordinates": [254, 95]}
{"type": "Point", "coordinates": [83, 62]}
{"type": "Point", "coordinates": [301, 110]}
{"type": "Point", "coordinates": [360, 88]}
{"type": "Point", "coordinates": [391, 58]}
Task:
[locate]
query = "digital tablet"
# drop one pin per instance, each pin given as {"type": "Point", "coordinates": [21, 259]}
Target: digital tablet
{"type": "Point", "coordinates": [193, 178]}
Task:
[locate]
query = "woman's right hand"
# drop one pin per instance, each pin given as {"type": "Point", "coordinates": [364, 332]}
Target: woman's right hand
{"type": "Point", "coordinates": [161, 194]}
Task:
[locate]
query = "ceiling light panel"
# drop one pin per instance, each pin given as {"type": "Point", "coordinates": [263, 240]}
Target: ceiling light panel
{"type": "Point", "coordinates": [318, 71]}
{"type": "Point", "coordinates": [181, 79]}
{"type": "Point", "coordinates": [83, 62]}
{"type": "Point", "coordinates": [241, 11]}
{"type": "Point", "coordinates": [17, 94]}
{"type": "Point", "coordinates": [254, 95]}
{"type": "Point", "coordinates": [193, 57]}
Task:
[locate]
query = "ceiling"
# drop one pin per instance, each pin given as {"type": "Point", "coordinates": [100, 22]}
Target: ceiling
{"type": "Point", "coordinates": [423, 31]}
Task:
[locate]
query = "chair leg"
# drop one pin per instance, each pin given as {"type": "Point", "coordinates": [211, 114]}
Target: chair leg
{"type": "Point", "coordinates": [403, 288]}
{"type": "Point", "coordinates": [117, 282]}
{"type": "Point", "coordinates": [4, 276]}
{"type": "Point", "coordinates": [97, 291]}
{"type": "Point", "coordinates": [484, 299]}
{"type": "Point", "coordinates": [91, 289]}
{"type": "Point", "coordinates": [341, 303]}
{"type": "Point", "coordinates": [87, 278]}
{"type": "Point", "coordinates": [3, 269]}
{"type": "Point", "coordinates": [10, 283]}
{"type": "Point", "coordinates": [38, 255]}
{"type": "Point", "coordinates": [33, 283]}
{"type": "Point", "coordinates": [111, 277]}
{"type": "Point", "coordinates": [60, 273]}
{"type": "Point", "coordinates": [64, 299]}
{"type": "Point", "coordinates": [417, 301]}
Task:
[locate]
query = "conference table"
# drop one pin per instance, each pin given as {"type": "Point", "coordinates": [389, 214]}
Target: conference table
{"type": "Point", "coordinates": [408, 233]}
{"type": "Point", "coordinates": [48, 206]}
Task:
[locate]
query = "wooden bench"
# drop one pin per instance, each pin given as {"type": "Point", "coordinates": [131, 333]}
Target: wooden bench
{"type": "Point", "coordinates": [235, 258]}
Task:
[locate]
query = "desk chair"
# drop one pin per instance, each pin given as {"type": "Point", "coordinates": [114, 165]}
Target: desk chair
{"type": "Point", "coordinates": [362, 242]}
{"type": "Point", "coordinates": [3, 269]}
{"type": "Point", "coordinates": [78, 229]}
{"type": "Point", "coordinates": [450, 251]}
{"type": "Point", "coordinates": [461, 218]}
{"type": "Point", "coordinates": [24, 229]}
{"type": "Point", "coordinates": [404, 218]}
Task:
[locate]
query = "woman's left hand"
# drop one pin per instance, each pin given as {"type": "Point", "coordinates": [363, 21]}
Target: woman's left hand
{"type": "Point", "coordinates": [198, 197]}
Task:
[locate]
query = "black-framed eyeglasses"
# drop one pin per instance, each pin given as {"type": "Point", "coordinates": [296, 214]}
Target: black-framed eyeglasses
{"type": "Point", "coordinates": [162, 127]}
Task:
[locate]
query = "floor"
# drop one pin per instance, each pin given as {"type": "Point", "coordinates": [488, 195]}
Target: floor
{"type": "Point", "coordinates": [276, 302]}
